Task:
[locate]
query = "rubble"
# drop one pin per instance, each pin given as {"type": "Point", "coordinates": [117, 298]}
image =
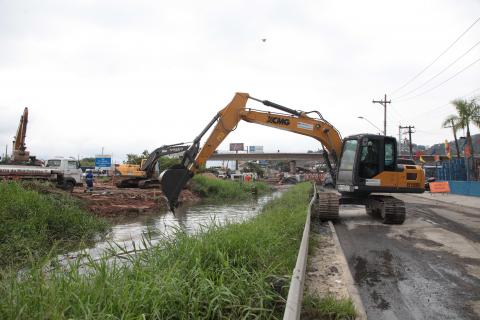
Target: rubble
{"type": "Point", "coordinates": [109, 201]}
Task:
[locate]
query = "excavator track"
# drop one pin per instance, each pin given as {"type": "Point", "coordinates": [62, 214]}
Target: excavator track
{"type": "Point", "coordinates": [390, 209]}
{"type": "Point", "coordinates": [326, 206]}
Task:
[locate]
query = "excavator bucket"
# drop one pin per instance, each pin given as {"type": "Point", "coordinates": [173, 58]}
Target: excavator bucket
{"type": "Point", "coordinates": [173, 180]}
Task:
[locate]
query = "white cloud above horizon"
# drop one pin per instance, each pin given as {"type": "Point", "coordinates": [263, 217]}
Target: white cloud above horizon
{"type": "Point", "coordinates": [134, 75]}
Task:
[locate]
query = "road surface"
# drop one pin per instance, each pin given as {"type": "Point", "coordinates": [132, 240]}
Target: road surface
{"type": "Point", "coordinates": [427, 268]}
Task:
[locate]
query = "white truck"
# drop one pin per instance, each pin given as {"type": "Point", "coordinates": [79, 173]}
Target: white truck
{"type": "Point", "coordinates": [64, 172]}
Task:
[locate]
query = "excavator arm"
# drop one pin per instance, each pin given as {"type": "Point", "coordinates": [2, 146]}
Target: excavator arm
{"type": "Point", "coordinates": [19, 152]}
{"type": "Point", "coordinates": [173, 180]}
{"type": "Point", "coordinates": [149, 165]}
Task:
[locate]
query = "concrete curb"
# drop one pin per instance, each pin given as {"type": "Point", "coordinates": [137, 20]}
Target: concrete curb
{"type": "Point", "coordinates": [351, 288]}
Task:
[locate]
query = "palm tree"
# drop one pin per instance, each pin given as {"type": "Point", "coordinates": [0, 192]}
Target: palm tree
{"type": "Point", "coordinates": [449, 122]}
{"type": "Point", "coordinates": [467, 111]}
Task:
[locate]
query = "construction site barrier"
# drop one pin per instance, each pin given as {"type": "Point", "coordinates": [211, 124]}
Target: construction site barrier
{"type": "Point", "coordinates": [466, 188]}
{"type": "Point", "coordinates": [295, 293]}
{"type": "Point", "coordinates": [439, 187]}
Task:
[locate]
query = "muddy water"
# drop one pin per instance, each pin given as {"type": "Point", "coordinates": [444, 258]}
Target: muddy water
{"type": "Point", "coordinates": [129, 233]}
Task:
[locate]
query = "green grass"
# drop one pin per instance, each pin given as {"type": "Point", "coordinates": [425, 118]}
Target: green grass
{"type": "Point", "coordinates": [328, 307]}
{"type": "Point", "coordinates": [238, 271]}
{"type": "Point", "coordinates": [226, 190]}
{"type": "Point", "coordinates": [35, 224]}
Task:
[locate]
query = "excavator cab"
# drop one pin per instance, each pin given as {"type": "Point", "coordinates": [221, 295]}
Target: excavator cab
{"type": "Point", "coordinates": [368, 163]}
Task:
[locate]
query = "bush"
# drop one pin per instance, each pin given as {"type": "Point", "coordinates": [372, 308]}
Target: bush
{"type": "Point", "coordinates": [226, 190]}
{"type": "Point", "coordinates": [34, 224]}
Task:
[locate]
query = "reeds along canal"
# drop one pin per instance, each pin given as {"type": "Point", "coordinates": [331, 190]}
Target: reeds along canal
{"type": "Point", "coordinates": [130, 233]}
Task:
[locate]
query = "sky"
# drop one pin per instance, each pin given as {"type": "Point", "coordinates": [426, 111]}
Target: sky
{"type": "Point", "coordinates": [128, 76]}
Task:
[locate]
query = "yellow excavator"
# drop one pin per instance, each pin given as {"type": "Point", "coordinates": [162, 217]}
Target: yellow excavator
{"type": "Point", "coordinates": [19, 152]}
{"type": "Point", "coordinates": [143, 175]}
{"type": "Point", "coordinates": [360, 165]}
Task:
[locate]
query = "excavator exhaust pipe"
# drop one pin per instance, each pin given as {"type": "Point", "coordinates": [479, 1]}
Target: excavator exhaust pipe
{"type": "Point", "coordinates": [173, 180]}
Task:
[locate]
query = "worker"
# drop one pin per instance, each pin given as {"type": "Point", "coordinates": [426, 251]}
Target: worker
{"type": "Point", "coordinates": [89, 180]}
{"type": "Point", "coordinates": [370, 161]}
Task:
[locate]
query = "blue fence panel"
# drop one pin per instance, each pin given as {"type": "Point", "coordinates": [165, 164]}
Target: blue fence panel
{"type": "Point", "coordinates": [452, 170]}
{"type": "Point", "coordinates": [467, 188]}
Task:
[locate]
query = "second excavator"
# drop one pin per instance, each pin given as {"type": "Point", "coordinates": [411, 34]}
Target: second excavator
{"type": "Point", "coordinates": [360, 165]}
{"type": "Point", "coordinates": [143, 175]}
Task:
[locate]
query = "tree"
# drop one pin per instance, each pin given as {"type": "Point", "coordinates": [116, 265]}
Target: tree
{"type": "Point", "coordinates": [449, 122]}
{"type": "Point", "coordinates": [254, 167]}
{"type": "Point", "coordinates": [468, 111]}
{"type": "Point", "coordinates": [137, 158]}
{"type": "Point", "coordinates": [87, 162]}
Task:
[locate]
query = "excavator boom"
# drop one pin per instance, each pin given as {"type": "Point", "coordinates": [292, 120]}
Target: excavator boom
{"type": "Point", "coordinates": [174, 179]}
{"type": "Point", "coordinates": [19, 152]}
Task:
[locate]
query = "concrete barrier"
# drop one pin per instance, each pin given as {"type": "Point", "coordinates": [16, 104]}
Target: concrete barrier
{"type": "Point", "coordinates": [293, 307]}
{"type": "Point", "coordinates": [466, 188]}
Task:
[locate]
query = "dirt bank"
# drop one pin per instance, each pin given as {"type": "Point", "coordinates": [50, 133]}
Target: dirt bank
{"type": "Point", "coordinates": [107, 200]}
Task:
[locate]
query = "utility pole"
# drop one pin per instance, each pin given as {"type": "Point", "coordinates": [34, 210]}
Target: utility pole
{"type": "Point", "coordinates": [399, 139]}
{"type": "Point", "coordinates": [384, 104]}
{"type": "Point", "coordinates": [409, 137]}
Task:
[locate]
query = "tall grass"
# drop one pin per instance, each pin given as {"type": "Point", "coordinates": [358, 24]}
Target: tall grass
{"type": "Point", "coordinates": [315, 307]}
{"type": "Point", "coordinates": [226, 190]}
{"type": "Point", "coordinates": [237, 271]}
{"type": "Point", "coordinates": [33, 224]}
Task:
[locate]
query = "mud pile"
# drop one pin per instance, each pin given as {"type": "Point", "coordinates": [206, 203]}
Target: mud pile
{"type": "Point", "coordinates": [108, 200]}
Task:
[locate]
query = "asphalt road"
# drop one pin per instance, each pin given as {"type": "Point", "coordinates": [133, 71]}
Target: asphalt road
{"type": "Point", "coordinates": [427, 268]}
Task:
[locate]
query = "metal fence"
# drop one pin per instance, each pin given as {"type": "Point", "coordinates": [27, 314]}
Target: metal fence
{"type": "Point", "coordinates": [295, 293]}
{"type": "Point", "coordinates": [457, 170]}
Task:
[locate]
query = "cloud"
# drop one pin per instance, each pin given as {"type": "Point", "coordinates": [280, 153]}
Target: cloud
{"type": "Point", "coordinates": [133, 75]}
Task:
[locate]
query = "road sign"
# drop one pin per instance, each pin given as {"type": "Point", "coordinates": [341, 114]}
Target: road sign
{"type": "Point", "coordinates": [103, 162]}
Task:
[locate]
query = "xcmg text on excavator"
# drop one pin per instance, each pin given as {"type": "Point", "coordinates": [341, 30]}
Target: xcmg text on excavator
{"type": "Point", "coordinates": [362, 164]}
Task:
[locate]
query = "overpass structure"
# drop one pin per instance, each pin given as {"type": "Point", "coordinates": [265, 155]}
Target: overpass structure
{"type": "Point", "coordinates": [267, 156]}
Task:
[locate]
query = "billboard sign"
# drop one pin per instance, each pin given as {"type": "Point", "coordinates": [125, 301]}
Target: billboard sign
{"type": "Point", "coordinates": [236, 147]}
{"type": "Point", "coordinates": [255, 149]}
{"type": "Point", "coordinates": [103, 162]}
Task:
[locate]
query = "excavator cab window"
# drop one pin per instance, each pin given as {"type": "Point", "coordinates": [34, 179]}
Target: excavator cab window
{"type": "Point", "coordinates": [390, 155]}
{"type": "Point", "coordinates": [369, 159]}
{"type": "Point", "coordinates": [347, 162]}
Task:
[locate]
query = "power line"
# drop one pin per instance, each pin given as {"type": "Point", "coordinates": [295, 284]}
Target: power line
{"type": "Point", "coordinates": [436, 59]}
{"type": "Point", "coordinates": [441, 83]}
{"type": "Point", "coordinates": [442, 106]}
{"type": "Point", "coordinates": [439, 73]}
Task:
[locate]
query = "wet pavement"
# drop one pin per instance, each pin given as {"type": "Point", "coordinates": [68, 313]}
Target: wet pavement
{"type": "Point", "coordinates": [427, 268]}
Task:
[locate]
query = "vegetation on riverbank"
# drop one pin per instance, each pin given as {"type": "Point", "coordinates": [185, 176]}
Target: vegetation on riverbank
{"type": "Point", "coordinates": [328, 307]}
{"type": "Point", "coordinates": [230, 272]}
{"type": "Point", "coordinates": [235, 271]}
{"type": "Point", "coordinates": [35, 223]}
{"type": "Point", "coordinates": [212, 189]}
